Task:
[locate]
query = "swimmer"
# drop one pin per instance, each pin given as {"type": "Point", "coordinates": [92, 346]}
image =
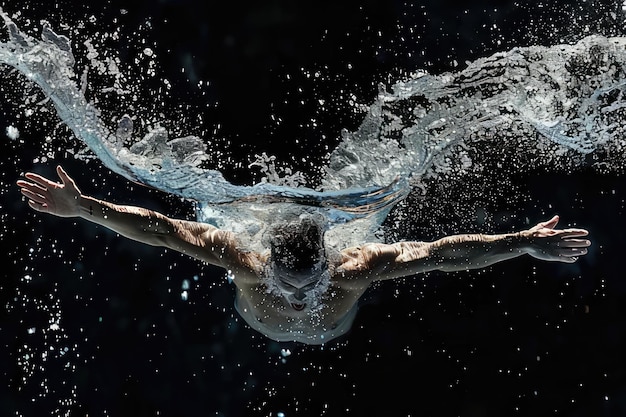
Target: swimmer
{"type": "Point", "coordinates": [293, 291]}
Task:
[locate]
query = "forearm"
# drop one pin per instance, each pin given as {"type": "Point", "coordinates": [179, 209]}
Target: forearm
{"type": "Point", "coordinates": [472, 251]}
{"type": "Point", "coordinates": [136, 223]}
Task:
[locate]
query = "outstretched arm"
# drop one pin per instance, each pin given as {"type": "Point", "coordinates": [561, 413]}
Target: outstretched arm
{"type": "Point", "coordinates": [199, 240]}
{"type": "Point", "coordinates": [462, 252]}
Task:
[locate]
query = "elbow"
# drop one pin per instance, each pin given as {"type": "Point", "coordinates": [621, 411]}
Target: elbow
{"type": "Point", "coordinates": [159, 240]}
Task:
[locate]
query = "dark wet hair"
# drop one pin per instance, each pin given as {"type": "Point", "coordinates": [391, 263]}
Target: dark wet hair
{"type": "Point", "coordinates": [298, 244]}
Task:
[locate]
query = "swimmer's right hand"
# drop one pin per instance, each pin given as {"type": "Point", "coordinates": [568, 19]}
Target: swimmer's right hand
{"type": "Point", "coordinates": [61, 199]}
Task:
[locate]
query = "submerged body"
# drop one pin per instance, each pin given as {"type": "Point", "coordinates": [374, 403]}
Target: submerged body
{"type": "Point", "coordinates": [302, 294]}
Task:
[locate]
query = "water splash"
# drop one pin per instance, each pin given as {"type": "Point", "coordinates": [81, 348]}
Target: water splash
{"type": "Point", "coordinates": [156, 160]}
{"type": "Point", "coordinates": [570, 96]}
{"type": "Point", "coordinates": [564, 100]}
{"type": "Point", "coordinates": [562, 104]}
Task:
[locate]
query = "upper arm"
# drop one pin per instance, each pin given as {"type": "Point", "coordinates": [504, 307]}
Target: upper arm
{"type": "Point", "coordinates": [410, 258]}
{"type": "Point", "coordinates": [201, 241]}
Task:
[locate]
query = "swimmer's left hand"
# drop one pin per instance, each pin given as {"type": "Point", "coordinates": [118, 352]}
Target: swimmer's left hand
{"type": "Point", "coordinates": [549, 244]}
{"type": "Point", "coordinates": [60, 199]}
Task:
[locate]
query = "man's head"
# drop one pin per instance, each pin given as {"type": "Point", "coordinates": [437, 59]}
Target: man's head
{"type": "Point", "coordinates": [298, 260]}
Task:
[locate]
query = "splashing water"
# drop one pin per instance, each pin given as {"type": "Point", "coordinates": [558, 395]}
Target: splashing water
{"type": "Point", "coordinates": [525, 98]}
{"type": "Point", "coordinates": [173, 165]}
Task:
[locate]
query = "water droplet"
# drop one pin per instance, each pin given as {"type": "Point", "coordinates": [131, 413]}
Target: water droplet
{"type": "Point", "coordinates": [12, 132]}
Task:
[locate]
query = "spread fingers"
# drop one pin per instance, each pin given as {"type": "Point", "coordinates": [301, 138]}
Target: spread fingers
{"type": "Point", "coordinates": [38, 198]}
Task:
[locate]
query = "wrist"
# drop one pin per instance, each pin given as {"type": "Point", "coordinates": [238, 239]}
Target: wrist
{"type": "Point", "coordinates": [86, 206]}
{"type": "Point", "coordinates": [521, 241]}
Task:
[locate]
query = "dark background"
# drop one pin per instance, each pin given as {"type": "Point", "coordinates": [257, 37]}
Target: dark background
{"type": "Point", "coordinates": [521, 338]}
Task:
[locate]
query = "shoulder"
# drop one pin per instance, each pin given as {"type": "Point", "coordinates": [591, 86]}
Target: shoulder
{"type": "Point", "coordinates": [357, 267]}
{"type": "Point", "coordinates": [247, 266]}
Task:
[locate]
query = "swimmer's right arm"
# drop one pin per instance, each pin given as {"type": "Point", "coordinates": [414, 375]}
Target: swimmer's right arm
{"type": "Point", "coordinates": [199, 240]}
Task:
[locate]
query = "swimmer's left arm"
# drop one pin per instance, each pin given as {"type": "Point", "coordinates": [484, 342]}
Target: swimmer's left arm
{"type": "Point", "coordinates": [464, 252]}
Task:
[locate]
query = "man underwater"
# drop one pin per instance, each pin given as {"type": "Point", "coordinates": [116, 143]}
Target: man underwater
{"type": "Point", "coordinates": [295, 290]}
